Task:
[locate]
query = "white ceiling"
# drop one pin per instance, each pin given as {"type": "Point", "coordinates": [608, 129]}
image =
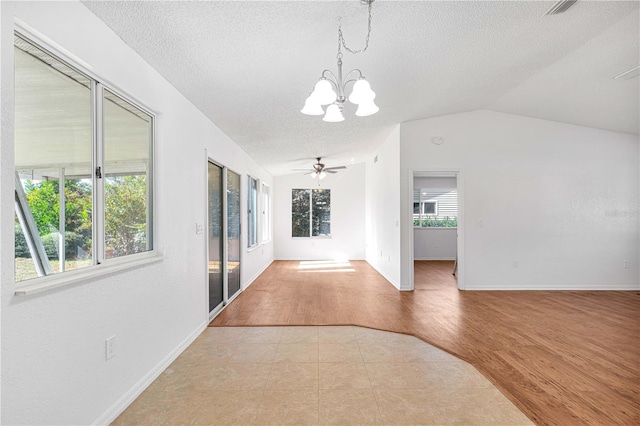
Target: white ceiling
{"type": "Point", "coordinates": [250, 65]}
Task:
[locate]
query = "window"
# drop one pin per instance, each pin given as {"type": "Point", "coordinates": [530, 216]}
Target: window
{"type": "Point", "coordinates": [310, 212]}
{"type": "Point", "coordinates": [252, 212]}
{"type": "Point", "coordinates": [83, 163]}
{"type": "Point", "coordinates": [266, 213]}
{"type": "Point", "coordinates": [435, 208]}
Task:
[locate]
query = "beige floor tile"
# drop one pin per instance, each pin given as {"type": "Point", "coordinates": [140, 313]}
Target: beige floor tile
{"type": "Point", "coordinates": [509, 414]}
{"type": "Point", "coordinates": [339, 352]}
{"type": "Point", "coordinates": [228, 408]}
{"type": "Point", "coordinates": [298, 407]}
{"type": "Point", "coordinates": [343, 334]}
{"type": "Point", "coordinates": [412, 375]}
{"type": "Point", "coordinates": [262, 335]}
{"type": "Point", "coordinates": [407, 406]}
{"type": "Point", "coordinates": [230, 334]}
{"type": "Point", "coordinates": [299, 335]}
{"type": "Point", "coordinates": [235, 376]}
{"type": "Point", "coordinates": [343, 375]}
{"type": "Point", "coordinates": [348, 407]}
{"type": "Point", "coordinates": [299, 375]}
{"type": "Point", "coordinates": [297, 352]}
{"type": "Point", "coordinates": [240, 375]}
{"type": "Point", "coordinates": [253, 352]}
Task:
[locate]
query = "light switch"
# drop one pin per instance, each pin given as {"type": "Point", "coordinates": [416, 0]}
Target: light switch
{"type": "Point", "coordinates": [199, 228]}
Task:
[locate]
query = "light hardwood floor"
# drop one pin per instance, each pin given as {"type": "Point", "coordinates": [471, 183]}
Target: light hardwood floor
{"type": "Point", "coordinates": [563, 357]}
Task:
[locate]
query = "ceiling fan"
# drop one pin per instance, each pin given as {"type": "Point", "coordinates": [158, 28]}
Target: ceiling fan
{"type": "Point", "coordinates": [319, 170]}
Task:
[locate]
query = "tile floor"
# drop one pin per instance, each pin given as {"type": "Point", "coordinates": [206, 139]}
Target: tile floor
{"type": "Point", "coordinates": [318, 375]}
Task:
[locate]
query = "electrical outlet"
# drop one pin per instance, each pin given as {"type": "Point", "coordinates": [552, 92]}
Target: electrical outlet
{"type": "Point", "coordinates": [480, 223]}
{"type": "Point", "coordinates": [515, 264]}
{"type": "Point", "coordinates": [110, 347]}
{"type": "Point", "coordinates": [199, 228]}
{"type": "Point", "coordinates": [627, 264]}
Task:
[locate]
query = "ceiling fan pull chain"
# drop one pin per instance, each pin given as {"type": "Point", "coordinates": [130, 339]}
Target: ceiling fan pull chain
{"type": "Point", "coordinates": [341, 40]}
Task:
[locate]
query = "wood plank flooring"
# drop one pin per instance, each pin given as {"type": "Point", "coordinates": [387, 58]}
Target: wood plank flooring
{"type": "Point", "coordinates": [563, 357]}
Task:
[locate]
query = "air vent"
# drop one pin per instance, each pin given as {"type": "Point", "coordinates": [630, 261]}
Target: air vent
{"type": "Point", "coordinates": [560, 7]}
{"type": "Point", "coordinates": [628, 74]}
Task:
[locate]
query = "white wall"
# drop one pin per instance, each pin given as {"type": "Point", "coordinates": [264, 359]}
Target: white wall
{"type": "Point", "coordinates": [544, 192]}
{"type": "Point", "coordinates": [434, 243]}
{"type": "Point", "coordinates": [433, 182]}
{"type": "Point", "coordinates": [383, 208]}
{"type": "Point", "coordinates": [347, 217]}
{"type": "Point", "coordinates": [53, 364]}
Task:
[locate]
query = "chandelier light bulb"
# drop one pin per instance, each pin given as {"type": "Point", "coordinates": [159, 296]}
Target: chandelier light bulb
{"type": "Point", "coordinates": [334, 114]}
{"type": "Point", "coordinates": [312, 107]}
{"type": "Point", "coordinates": [366, 109]}
{"type": "Point", "coordinates": [361, 92]}
{"type": "Point", "coordinates": [323, 93]}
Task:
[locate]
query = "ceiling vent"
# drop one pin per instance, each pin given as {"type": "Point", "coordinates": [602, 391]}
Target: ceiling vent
{"type": "Point", "coordinates": [560, 7]}
{"type": "Point", "coordinates": [628, 74]}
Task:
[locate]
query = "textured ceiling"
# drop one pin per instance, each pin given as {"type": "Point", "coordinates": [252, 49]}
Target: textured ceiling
{"type": "Point", "coordinates": [250, 65]}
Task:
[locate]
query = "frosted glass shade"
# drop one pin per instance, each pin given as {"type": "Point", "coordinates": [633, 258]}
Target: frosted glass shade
{"type": "Point", "coordinates": [367, 108]}
{"type": "Point", "coordinates": [323, 93]}
{"type": "Point", "coordinates": [333, 114]}
{"type": "Point", "coordinates": [322, 175]}
{"type": "Point", "coordinates": [361, 92]}
{"type": "Point", "coordinates": [312, 107]}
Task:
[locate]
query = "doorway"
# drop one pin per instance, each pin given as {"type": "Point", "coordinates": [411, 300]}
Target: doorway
{"type": "Point", "coordinates": [223, 236]}
{"type": "Point", "coordinates": [436, 230]}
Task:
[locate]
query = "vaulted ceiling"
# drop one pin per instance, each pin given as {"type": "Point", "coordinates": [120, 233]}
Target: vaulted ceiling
{"type": "Point", "coordinates": [250, 65]}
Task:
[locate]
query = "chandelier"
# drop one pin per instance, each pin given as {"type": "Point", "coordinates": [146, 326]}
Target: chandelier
{"type": "Point", "coordinates": [330, 89]}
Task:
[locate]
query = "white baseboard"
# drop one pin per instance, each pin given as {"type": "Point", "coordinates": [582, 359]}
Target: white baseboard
{"type": "Point", "coordinates": [125, 400]}
{"type": "Point", "coordinates": [393, 283]}
{"type": "Point", "coordinates": [551, 287]}
{"type": "Point", "coordinates": [434, 258]}
{"type": "Point", "coordinates": [256, 275]}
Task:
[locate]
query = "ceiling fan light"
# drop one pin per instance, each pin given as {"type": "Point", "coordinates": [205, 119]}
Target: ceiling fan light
{"type": "Point", "coordinates": [323, 93]}
{"type": "Point", "coordinates": [333, 114]}
{"type": "Point", "coordinates": [361, 92]}
{"type": "Point", "coordinates": [322, 175]}
{"type": "Point", "coordinates": [312, 107]}
{"type": "Point", "coordinates": [366, 109]}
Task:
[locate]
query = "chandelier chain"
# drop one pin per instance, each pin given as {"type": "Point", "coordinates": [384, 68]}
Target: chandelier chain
{"type": "Point", "coordinates": [343, 43]}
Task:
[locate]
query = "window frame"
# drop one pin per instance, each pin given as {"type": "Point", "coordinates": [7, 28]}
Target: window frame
{"type": "Point", "coordinates": [253, 225]}
{"type": "Point", "coordinates": [100, 264]}
{"type": "Point", "coordinates": [325, 236]}
{"type": "Point", "coordinates": [265, 235]}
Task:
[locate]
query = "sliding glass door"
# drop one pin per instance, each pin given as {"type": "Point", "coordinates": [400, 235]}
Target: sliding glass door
{"type": "Point", "coordinates": [223, 235]}
{"type": "Point", "coordinates": [215, 237]}
{"type": "Point", "coordinates": [233, 233]}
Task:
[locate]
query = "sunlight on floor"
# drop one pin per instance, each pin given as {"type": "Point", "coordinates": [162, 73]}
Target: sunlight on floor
{"type": "Point", "coordinates": [325, 266]}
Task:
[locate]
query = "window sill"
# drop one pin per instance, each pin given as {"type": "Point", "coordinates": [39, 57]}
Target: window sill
{"type": "Point", "coordinates": [252, 248]}
{"type": "Point", "coordinates": [39, 285]}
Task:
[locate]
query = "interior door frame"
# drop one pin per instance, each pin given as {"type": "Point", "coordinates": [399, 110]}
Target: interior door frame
{"type": "Point", "coordinates": [435, 172]}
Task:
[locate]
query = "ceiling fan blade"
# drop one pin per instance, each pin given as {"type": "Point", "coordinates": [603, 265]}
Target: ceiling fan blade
{"type": "Point", "coordinates": [333, 172]}
{"type": "Point", "coordinates": [308, 173]}
{"type": "Point", "coordinates": [300, 170]}
{"type": "Point", "coordinates": [335, 168]}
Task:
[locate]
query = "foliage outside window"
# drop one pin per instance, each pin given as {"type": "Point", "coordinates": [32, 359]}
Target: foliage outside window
{"type": "Point", "coordinates": [435, 208]}
{"type": "Point", "coordinates": [83, 184]}
{"type": "Point", "coordinates": [252, 212]}
{"type": "Point", "coordinates": [310, 212]}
